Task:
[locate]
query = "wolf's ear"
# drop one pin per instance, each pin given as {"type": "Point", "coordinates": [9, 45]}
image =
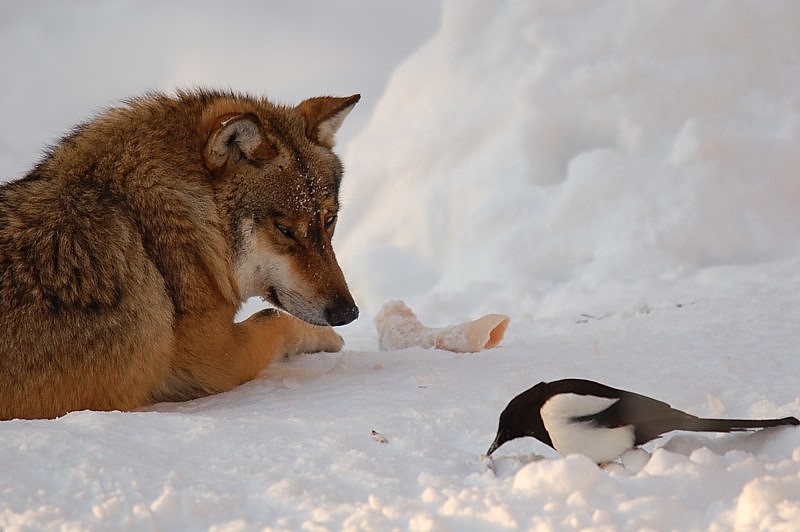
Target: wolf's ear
{"type": "Point", "coordinates": [234, 137]}
{"type": "Point", "coordinates": [324, 116]}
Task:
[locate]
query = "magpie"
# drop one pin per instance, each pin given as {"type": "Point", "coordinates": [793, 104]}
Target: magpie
{"type": "Point", "coordinates": [586, 417]}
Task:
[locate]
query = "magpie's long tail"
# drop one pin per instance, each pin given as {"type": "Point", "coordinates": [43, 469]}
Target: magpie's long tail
{"type": "Point", "coordinates": [731, 425]}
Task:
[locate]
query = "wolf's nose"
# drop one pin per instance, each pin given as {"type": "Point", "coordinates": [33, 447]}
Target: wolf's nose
{"type": "Point", "coordinates": [341, 314]}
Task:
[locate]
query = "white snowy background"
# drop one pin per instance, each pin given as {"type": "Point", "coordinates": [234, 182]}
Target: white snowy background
{"type": "Point", "coordinates": [619, 177]}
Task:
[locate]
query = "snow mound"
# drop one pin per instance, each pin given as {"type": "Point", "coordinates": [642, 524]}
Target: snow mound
{"type": "Point", "coordinates": [542, 154]}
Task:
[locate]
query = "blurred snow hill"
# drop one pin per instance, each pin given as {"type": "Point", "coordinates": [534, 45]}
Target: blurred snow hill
{"type": "Point", "coordinates": [544, 156]}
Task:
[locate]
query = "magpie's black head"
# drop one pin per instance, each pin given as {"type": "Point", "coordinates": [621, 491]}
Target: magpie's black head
{"type": "Point", "coordinates": [507, 430]}
{"type": "Point", "coordinates": [521, 418]}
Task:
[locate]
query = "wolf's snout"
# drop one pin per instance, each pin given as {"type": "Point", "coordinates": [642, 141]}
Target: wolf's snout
{"type": "Point", "coordinates": [341, 313]}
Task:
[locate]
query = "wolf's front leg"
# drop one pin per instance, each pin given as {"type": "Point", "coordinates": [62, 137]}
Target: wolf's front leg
{"type": "Point", "coordinates": [215, 355]}
{"type": "Point", "coordinates": [282, 334]}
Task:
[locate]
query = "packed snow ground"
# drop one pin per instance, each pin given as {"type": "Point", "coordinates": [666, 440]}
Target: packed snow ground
{"type": "Point", "coordinates": [294, 450]}
{"type": "Point", "coordinates": [618, 177]}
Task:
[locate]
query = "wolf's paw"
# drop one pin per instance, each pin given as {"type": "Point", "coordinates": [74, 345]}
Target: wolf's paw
{"type": "Point", "coordinates": [294, 335]}
{"type": "Point", "coordinates": [329, 341]}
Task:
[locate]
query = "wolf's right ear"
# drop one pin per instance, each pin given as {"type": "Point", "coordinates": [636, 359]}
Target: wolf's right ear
{"type": "Point", "coordinates": [324, 115]}
{"type": "Point", "coordinates": [234, 137]}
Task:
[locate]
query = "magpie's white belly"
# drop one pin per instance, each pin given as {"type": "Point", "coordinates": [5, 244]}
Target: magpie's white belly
{"type": "Point", "coordinates": [598, 443]}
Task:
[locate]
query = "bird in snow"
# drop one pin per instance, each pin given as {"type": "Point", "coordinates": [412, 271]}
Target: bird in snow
{"type": "Point", "coordinates": [601, 422]}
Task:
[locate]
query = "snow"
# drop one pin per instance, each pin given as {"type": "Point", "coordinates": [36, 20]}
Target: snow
{"type": "Point", "coordinates": [618, 177]}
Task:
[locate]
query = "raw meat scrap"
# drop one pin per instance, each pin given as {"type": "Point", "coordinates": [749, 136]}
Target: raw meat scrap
{"type": "Point", "coordinates": [399, 328]}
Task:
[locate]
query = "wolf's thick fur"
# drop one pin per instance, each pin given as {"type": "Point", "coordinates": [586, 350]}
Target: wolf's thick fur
{"type": "Point", "coordinates": [126, 252]}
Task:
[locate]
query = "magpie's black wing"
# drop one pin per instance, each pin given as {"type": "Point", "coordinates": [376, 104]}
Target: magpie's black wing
{"type": "Point", "coordinates": [650, 417]}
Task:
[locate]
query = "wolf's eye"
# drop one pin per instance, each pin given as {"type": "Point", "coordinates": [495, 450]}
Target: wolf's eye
{"type": "Point", "coordinates": [285, 231]}
{"type": "Point", "coordinates": [330, 221]}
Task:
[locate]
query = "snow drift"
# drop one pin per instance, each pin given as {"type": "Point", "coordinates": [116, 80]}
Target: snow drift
{"type": "Point", "coordinates": [542, 152]}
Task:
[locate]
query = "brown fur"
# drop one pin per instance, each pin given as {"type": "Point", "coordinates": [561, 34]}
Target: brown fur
{"type": "Point", "coordinates": [125, 254]}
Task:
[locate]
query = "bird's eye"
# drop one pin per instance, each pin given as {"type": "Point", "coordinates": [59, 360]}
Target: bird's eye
{"type": "Point", "coordinates": [285, 231]}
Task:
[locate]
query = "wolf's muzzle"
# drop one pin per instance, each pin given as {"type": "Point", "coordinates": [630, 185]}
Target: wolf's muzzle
{"type": "Point", "coordinates": [341, 313]}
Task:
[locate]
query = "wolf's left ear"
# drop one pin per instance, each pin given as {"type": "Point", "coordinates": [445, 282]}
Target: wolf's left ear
{"type": "Point", "coordinates": [324, 116]}
{"type": "Point", "coordinates": [236, 136]}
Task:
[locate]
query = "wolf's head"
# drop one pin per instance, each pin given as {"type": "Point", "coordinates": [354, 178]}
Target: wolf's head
{"type": "Point", "coordinates": [278, 181]}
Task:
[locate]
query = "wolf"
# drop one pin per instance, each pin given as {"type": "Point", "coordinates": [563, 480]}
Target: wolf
{"type": "Point", "coordinates": [126, 252]}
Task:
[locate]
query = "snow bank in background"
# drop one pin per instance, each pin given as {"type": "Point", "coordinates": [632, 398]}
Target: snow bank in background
{"type": "Point", "coordinates": [548, 155]}
{"type": "Point", "coordinates": [63, 62]}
